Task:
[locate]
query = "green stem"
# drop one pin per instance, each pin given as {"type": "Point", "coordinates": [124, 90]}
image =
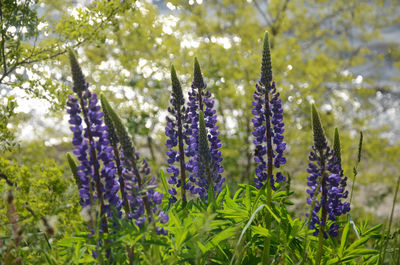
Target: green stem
{"type": "Point", "coordinates": [267, 241]}
{"type": "Point", "coordinates": [324, 211]}
{"type": "Point", "coordinates": [182, 159]}
{"type": "Point", "coordinates": [382, 258]}
{"type": "Point", "coordinates": [309, 219]}
{"type": "Point", "coordinates": [122, 183]}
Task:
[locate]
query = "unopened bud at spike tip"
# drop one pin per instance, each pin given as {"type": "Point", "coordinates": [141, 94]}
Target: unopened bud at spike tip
{"type": "Point", "coordinates": [318, 130]}
{"type": "Point", "coordinates": [266, 66]}
{"type": "Point", "coordinates": [120, 129]}
{"type": "Point", "coordinates": [80, 84]}
{"type": "Point", "coordinates": [336, 146]}
{"type": "Point", "coordinates": [176, 86]}
{"type": "Point", "coordinates": [112, 135]}
{"type": "Point", "coordinates": [198, 81]}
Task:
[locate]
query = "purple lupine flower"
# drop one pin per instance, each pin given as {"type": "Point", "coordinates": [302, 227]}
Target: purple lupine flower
{"type": "Point", "coordinates": [143, 199]}
{"type": "Point", "coordinates": [326, 179]}
{"type": "Point", "coordinates": [112, 137]}
{"type": "Point", "coordinates": [92, 146]}
{"type": "Point", "coordinates": [200, 100]}
{"type": "Point", "coordinates": [176, 122]}
{"type": "Point", "coordinates": [268, 125]}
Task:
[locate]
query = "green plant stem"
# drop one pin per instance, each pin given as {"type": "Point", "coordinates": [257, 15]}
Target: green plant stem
{"type": "Point", "coordinates": [267, 241]}
{"type": "Point", "coordinates": [122, 183]}
{"type": "Point", "coordinates": [182, 159]}
{"type": "Point", "coordinates": [96, 169]}
{"type": "Point", "coordinates": [309, 218]}
{"type": "Point", "coordinates": [382, 257]}
{"type": "Point", "coordinates": [323, 211]}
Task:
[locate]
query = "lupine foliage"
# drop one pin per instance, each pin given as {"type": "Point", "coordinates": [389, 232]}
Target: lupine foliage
{"type": "Point", "coordinates": [131, 220]}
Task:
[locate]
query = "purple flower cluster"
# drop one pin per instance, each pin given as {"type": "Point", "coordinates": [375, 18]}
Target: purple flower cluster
{"type": "Point", "coordinates": [185, 122]}
{"type": "Point", "coordinates": [268, 125]}
{"type": "Point", "coordinates": [326, 179]}
{"type": "Point", "coordinates": [137, 196]}
{"type": "Point", "coordinates": [177, 121]}
{"type": "Point", "coordinates": [91, 148]}
{"type": "Point", "coordinates": [96, 147]}
{"type": "Point", "coordinates": [139, 186]}
{"type": "Point", "coordinates": [200, 100]}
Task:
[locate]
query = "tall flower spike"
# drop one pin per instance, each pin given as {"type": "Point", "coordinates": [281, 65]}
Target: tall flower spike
{"type": "Point", "coordinates": [142, 195]}
{"type": "Point", "coordinates": [96, 170]}
{"type": "Point", "coordinates": [174, 130]}
{"type": "Point", "coordinates": [121, 133]}
{"type": "Point", "coordinates": [326, 181]}
{"type": "Point", "coordinates": [204, 165]}
{"type": "Point", "coordinates": [200, 100]}
{"type": "Point", "coordinates": [112, 136]}
{"type": "Point", "coordinates": [268, 125]}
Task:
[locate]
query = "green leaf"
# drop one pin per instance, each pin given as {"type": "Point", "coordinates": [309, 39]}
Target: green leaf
{"type": "Point", "coordinates": [259, 230]}
{"type": "Point", "coordinates": [221, 236]}
{"type": "Point", "coordinates": [164, 183]}
{"type": "Point", "coordinates": [246, 227]}
{"type": "Point", "coordinates": [221, 196]}
{"type": "Point", "coordinates": [357, 243]}
{"type": "Point", "coordinates": [247, 198]}
{"type": "Point", "coordinates": [343, 240]}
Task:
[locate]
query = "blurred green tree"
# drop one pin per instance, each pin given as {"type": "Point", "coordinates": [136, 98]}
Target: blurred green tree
{"type": "Point", "coordinates": [315, 46]}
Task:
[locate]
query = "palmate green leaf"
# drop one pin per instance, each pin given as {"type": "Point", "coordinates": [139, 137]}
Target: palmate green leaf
{"type": "Point", "coordinates": [355, 254]}
{"type": "Point", "coordinates": [273, 214]}
{"type": "Point", "coordinates": [238, 193]}
{"type": "Point", "coordinates": [246, 227]}
{"type": "Point", "coordinates": [280, 194]}
{"type": "Point", "coordinates": [343, 240]}
{"type": "Point", "coordinates": [373, 229]}
{"type": "Point", "coordinates": [259, 230]}
{"type": "Point", "coordinates": [357, 243]}
{"type": "Point", "coordinates": [285, 223]}
{"type": "Point", "coordinates": [229, 202]}
{"type": "Point", "coordinates": [215, 224]}
{"type": "Point", "coordinates": [361, 252]}
{"type": "Point", "coordinates": [372, 260]}
{"type": "Point", "coordinates": [230, 232]}
{"type": "Point", "coordinates": [70, 241]}
{"type": "Point", "coordinates": [237, 214]}
{"type": "Point", "coordinates": [164, 183]}
{"type": "Point", "coordinates": [211, 198]}
{"type": "Point", "coordinates": [50, 259]}
{"type": "Point", "coordinates": [221, 195]}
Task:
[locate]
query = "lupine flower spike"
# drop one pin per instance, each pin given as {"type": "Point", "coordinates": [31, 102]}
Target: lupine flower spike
{"type": "Point", "coordinates": [139, 189]}
{"type": "Point", "coordinates": [326, 181]}
{"type": "Point", "coordinates": [200, 100]}
{"type": "Point", "coordinates": [177, 121]}
{"type": "Point", "coordinates": [268, 125]}
{"type": "Point", "coordinates": [112, 137]}
{"type": "Point", "coordinates": [92, 148]}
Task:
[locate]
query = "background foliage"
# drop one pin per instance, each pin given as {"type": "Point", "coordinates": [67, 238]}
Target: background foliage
{"type": "Point", "coordinates": [322, 51]}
